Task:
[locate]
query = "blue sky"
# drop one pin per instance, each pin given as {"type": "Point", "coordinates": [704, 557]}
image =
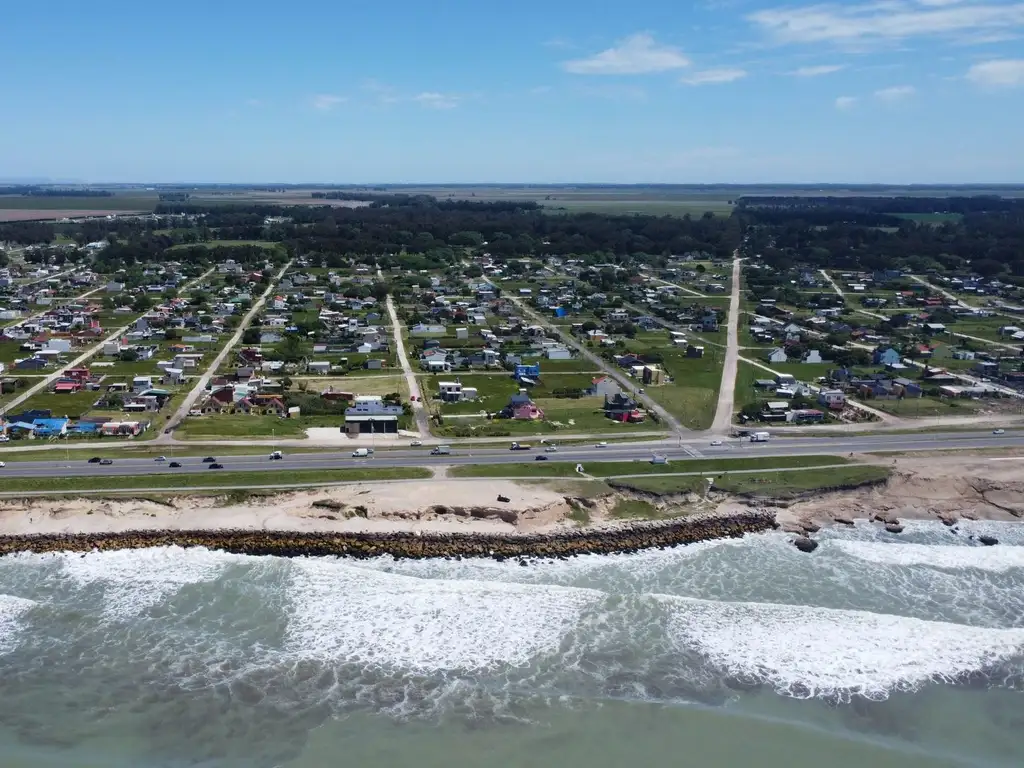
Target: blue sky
{"type": "Point", "coordinates": [891, 91]}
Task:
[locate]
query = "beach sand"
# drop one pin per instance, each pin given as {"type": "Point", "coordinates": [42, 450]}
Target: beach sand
{"type": "Point", "coordinates": [921, 488]}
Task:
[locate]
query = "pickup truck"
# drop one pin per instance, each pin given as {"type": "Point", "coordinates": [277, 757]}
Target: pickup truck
{"type": "Point", "coordinates": [519, 447]}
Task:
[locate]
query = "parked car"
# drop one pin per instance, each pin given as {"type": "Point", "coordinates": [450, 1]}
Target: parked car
{"type": "Point", "coordinates": [174, 464]}
{"type": "Point", "coordinates": [106, 461]}
{"type": "Point", "coordinates": [215, 465]}
{"type": "Point", "coordinates": [209, 460]}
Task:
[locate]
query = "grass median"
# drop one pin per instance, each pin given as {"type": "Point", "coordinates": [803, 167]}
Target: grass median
{"type": "Point", "coordinates": [211, 479]}
{"type": "Point", "coordinates": [613, 468]}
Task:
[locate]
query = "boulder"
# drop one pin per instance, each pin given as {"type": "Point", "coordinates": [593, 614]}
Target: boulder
{"type": "Point", "coordinates": [894, 528]}
{"type": "Point", "coordinates": [810, 527]}
{"type": "Point", "coordinates": [988, 541]}
{"type": "Point", "coordinates": [805, 544]}
{"type": "Point", "coordinates": [842, 519]}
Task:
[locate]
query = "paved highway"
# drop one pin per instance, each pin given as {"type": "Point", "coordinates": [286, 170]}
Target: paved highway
{"type": "Point", "coordinates": [411, 457]}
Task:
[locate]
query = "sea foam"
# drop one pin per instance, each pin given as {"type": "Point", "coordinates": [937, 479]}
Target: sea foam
{"type": "Point", "coordinates": [806, 651]}
{"type": "Point", "coordinates": [11, 610]}
{"type": "Point", "coordinates": [137, 579]}
{"type": "Point", "coordinates": [358, 615]}
{"type": "Point", "coordinates": [997, 559]}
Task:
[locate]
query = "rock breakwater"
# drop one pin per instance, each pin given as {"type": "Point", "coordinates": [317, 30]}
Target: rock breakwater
{"type": "Point", "coordinates": [412, 544]}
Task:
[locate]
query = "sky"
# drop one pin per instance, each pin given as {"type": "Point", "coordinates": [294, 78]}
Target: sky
{"type": "Point", "coordinates": [479, 91]}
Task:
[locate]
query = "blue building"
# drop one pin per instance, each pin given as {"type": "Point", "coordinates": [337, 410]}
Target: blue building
{"type": "Point", "coordinates": [886, 356]}
{"type": "Point", "coordinates": [527, 371]}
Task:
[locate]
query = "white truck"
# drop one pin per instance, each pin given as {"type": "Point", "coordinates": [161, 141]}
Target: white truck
{"type": "Point", "coordinates": [760, 437]}
{"type": "Point", "coordinates": [441, 450]}
{"type": "Point", "coordinates": [362, 453]}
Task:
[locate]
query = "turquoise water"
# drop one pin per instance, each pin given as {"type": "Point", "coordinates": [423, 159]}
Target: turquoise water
{"type": "Point", "coordinates": [876, 649]}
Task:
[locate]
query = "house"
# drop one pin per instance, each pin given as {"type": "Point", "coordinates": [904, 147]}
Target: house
{"type": "Point", "coordinates": [527, 412]}
{"type": "Point", "coordinates": [424, 329]}
{"type": "Point", "coordinates": [59, 345]}
{"type": "Point", "coordinates": [621, 407]}
{"type": "Point", "coordinates": [652, 375]}
{"type": "Point", "coordinates": [709, 322]}
{"type": "Point", "coordinates": [67, 386]}
{"type": "Point", "coordinates": [833, 399]}
{"type": "Point", "coordinates": [777, 355]}
{"type": "Point", "coordinates": [603, 386]}
{"type": "Point", "coordinates": [694, 350]}
{"type": "Point", "coordinates": [369, 414]}
{"type": "Point", "coordinates": [142, 383]}
{"type": "Point", "coordinates": [907, 388]}
{"type": "Point", "coordinates": [319, 367]}
{"type": "Point", "coordinates": [558, 352]}
{"type": "Point", "coordinates": [461, 333]}
{"type": "Point", "coordinates": [373, 365]}
{"type": "Point", "coordinates": [30, 364]}
{"type": "Point", "coordinates": [813, 356]}
{"type": "Point", "coordinates": [522, 371]}
{"type": "Point", "coordinates": [885, 356]}
{"type": "Point", "coordinates": [269, 337]}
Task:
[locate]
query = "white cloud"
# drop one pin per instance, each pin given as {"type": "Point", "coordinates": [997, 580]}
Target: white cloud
{"type": "Point", "coordinates": [435, 100]}
{"type": "Point", "coordinates": [327, 101]}
{"type": "Point", "coordinates": [887, 20]}
{"type": "Point", "coordinates": [715, 76]}
{"type": "Point", "coordinates": [1004, 73]}
{"type": "Point", "coordinates": [638, 54]}
{"type": "Point", "coordinates": [821, 69]}
{"type": "Point", "coordinates": [846, 103]}
{"type": "Point", "coordinates": [895, 93]}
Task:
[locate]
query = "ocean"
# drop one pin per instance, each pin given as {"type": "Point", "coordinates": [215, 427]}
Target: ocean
{"type": "Point", "coordinates": [876, 650]}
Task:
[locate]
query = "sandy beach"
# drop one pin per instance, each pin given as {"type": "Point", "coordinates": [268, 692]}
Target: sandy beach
{"type": "Point", "coordinates": [935, 488]}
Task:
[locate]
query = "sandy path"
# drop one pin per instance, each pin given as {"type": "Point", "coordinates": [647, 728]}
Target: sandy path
{"type": "Point", "coordinates": [727, 390]}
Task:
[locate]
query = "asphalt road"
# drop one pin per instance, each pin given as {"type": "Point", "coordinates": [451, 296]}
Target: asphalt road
{"type": "Point", "coordinates": [420, 457]}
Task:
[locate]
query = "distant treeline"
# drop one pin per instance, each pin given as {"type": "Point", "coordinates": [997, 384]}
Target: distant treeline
{"type": "Point", "coordinates": [35, 191]}
{"type": "Point", "coordinates": [427, 201]}
{"type": "Point", "coordinates": [420, 224]}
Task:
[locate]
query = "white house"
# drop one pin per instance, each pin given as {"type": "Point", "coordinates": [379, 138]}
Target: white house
{"type": "Point", "coordinates": [559, 352]}
{"type": "Point", "coordinates": [61, 345]}
{"type": "Point", "coordinates": [114, 287]}
{"type": "Point", "coordinates": [423, 329]}
{"type": "Point", "coordinates": [461, 333]}
{"type": "Point", "coordinates": [319, 366]}
{"type": "Point", "coordinates": [777, 355]}
{"type": "Point", "coordinates": [814, 356]}
{"type": "Point", "coordinates": [142, 383]}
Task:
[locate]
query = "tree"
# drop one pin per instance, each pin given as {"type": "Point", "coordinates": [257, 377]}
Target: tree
{"type": "Point", "coordinates": [141, 302]}
{"type": "Point", "coordinates": [251, 336]}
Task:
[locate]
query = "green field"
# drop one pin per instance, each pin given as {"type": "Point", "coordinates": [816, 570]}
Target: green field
{"type": "Point", "coordinates": [210, 479]}
{"type": "Point", "coordinates": [115, 203]}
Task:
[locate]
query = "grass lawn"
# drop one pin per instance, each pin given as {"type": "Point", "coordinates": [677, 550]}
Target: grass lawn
{"type": "Point", "coordinates": [693, 394]}
{"type": "Point", "coordinates": [921, 407]}
{"type": "Point", "coordinates": [633, 509]}
{"type": "Point", "coordinates": [210, 479]}
{"type": "Point", "coordinates": [241, 426]}
{"type": "Point", "coordinates": [775, 484]}
{"type": "Point", "coordinates": [73, 405]}
{"type": "Point", "coordinates": [529, 467]}
{"type": "Point", "coordinates": [782, 484]}
{"type": "Point", "coordinates": [115, 203]}
{"type": "Point", "coordinates": [9, 352]}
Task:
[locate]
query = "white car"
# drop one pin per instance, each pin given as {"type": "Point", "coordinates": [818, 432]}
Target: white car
{"type": "Point", "coordinates": [602, 444]}
{"type": "Point", "coordinates": [551, 449]}
{"type": "Point", "coordinates": [716, 442]}
{"type": "Point", "coordinates": [2, 465]}
{"type": "Point", "coordinates": [415, 443]}
{"type": "Point", "coordinates": [160, 458]}
{"type": "Point", "coordinates": [998, 431]}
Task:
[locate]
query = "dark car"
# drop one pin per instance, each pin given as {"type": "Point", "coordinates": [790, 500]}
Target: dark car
{"type": "Point", "coordinates": [209, 460]}
{"type": "Point", "coordinates": [540, 458]}
{"type": "Point", "coordinates": [174, 464]}
{"type": "Point", "coordinates": [215, 465]}
{"type": "Point", "coordinates": [94, 460]}
{"type": "Point", "coordinates": [106, 461]}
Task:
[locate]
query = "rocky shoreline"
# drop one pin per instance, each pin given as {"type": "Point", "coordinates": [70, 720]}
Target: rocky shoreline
{"type": "Point", "coordinates": [629, 537]}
